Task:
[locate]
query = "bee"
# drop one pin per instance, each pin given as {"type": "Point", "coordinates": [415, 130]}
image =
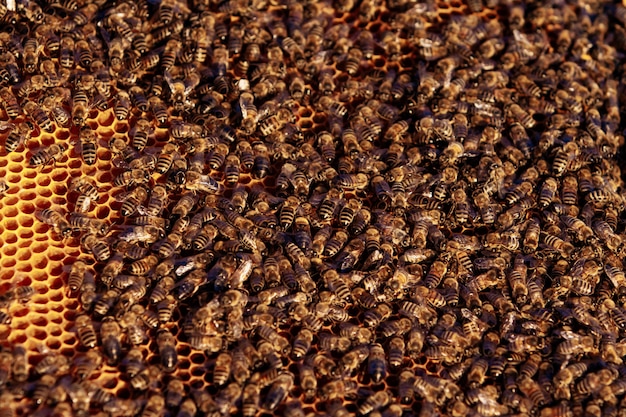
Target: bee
{"type": "Point", "coordinates": [335, 243]}
{"type": "Point", "coordinates": [143, 129]}
{"type": "Point", "coordinates": [251, 398]}
{"type": "Point", "coordinates": [278, 391]}
{"type": "Point", "coordinates": [95, 245]}
{"type": "Point", "coordinates": [85, 331]}
{"type": "Point", "coordinates": [222, 369]}
{"type": "Point", "coordinates": [374, 402]}
{"type": "Point", "coordinates": [548, 192]}
{"type": "Point", "coordinates": [9, 102]}
{"type": "Point", "coordinates": [483, 202]}
{"type": "Point", "coordinates": [131, 177]}
{"type": "Point", "coordinates": [376, 363]}
{"type": "Point", "coordinates": [132, 200]}
{"type": "Point", "coordinates": [110, 332]}
{"type": "Point", "coordinates": [122, 105]}
{"type": "Point", "coordinates": [199, 182]}
{"type": "Point", "coordinates": [435, 274]}
{"type": "Point", "coordinates": [557, 244]}
{"type": "Point", "coordinates": [80, 107]}
{"type": "Point", "coordinates": [249, 112]}
{"type": "Point", "coordinates": [18, 135]}
{"type": "Point", "coordinates": [159, 110]}
{"type": "Point", "coordinates": [138, 98]}
{"type": "Point", "coordinates": [180, 89]}
{"type": "Point", "coordinates": [42, 388]}
{"type": "Point", "coordinates": [117, 46]}
{"type": "Point", "coordinates": [56, 220]}
{"type": "Point", "coordinates": [85, 56]}
{"type": "Point", "coordinates": [38, 115]}
{"type": "Point", "coordinates": [167, 350]}
{"type": "Point", "coordinates": [32, 50]}
{"type": "Point", "coordinates": [154, 406]}
{"type": "Point", "coordinates": [328, 206]}
{"type": "Point", "coordinates": [88, 224]}
{"type": "Point", "coordinates": [275, 122]}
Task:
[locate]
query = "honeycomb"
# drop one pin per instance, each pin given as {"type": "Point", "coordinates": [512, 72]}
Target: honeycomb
{"type": "Point", "coordinates": [463, 159]}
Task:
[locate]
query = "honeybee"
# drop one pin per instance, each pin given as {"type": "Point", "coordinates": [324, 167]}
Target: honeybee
{"type": "Point", "coordinates": [376, 363]}
{"type": "Point", "coordinates": [278, 391]}
{"type": "Point", "coordinates": [167, 349]}
{"type": "Point", "coordinates": [88, 224]}
{"type": "Point", "coordinates": [18, 135]}
{"type": "Point", "coordinates": [32, 49]}
{"type": "Point", "coordinates": [56, 220]}
{"type": "Point", "coordinates": [143, 129]}
{"type": "Point", "coordinates": [110, 333]}
{"type": "Point", "coordinates": [85, 331]}
{"type": "Point", "coordinates": [122, 105]}
{"type": "Point", "coordinates": [9, 103]}
{"type": "Point", "coordinates": [132, 200]}
{"type": "Point", "coordinates": [134, 176]}
{"type": "Point", "coordinates": [95, 245]}
{"type": "Point", "coordinates": [180, 89]}
{"type": "Point", "coordinates": [38, 115]}
{"type": "Point", "coordinates": [199, 182]}
{"type": "Point", "coordinates": [80, 107]}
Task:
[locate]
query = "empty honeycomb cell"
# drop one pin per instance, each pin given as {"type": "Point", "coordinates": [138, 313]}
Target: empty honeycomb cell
{"type": "Point", "coordinates": [24, 254]}
{"type": "Point", "coordinates": [43, 181]}
{"type": "Point", "coordinates": [74, 164]}
{"type": "Point", "coordinates": [11, 224]}
{"type": "Point", "coordinates": [104, 177]}
{"type": "Point", "coordinates": [70, 341]}
{"type": "Point", "coordinates": [121, 128]}
{"type": "Point", "coordinates": [53, 343]}
{"type": "Point", "coordinates": [20, 324]}
{"type": "Point", "coordinates": [30, 174]}
{"type": "Point", "coordinates": [26, 220]}
{"type": "Point", "coordinates": [59, 175]}
{"type": "Point", "coordinates": [36, 333]}
{"type": "Point", "coordinates": [39, 321]}
{"type": "Point", "coordinates": [46, 192]}
{"type": "Point", "coordinates": [55, 330]}
{"type": "Point", "coordinates": [62, 134]}
{"type": "Point", "coordinates": [102, 212]}
{"type": "Point", "coordinates": [8, 263]}
{"type": "Point", "coordinates": [57, 296]}
{"type": "Point", "coordinates": [25, 267]}
{"type": "Point", "coordinates": [16, 158]}
{"type": "Point", "coordinates": [56, 284]}
{"type": "Point", "coordinates": [103, 156]}
{"type": "Point", "coordinates": [9, 250]}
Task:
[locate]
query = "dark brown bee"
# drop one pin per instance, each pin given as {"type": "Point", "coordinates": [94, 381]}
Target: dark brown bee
{"type": "Point", "coordinates": [167, 350]}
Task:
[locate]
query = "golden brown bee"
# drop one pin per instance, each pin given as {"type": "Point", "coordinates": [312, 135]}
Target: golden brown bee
{"type": "Point", "coordinates": [132, 200]}
{"type": "Point", "coordinates": [122, 105]}
{"type": "Point", "coordinates": [32, 49]}
{"type": "Point", "coordinates": [85, 331]}
{"type": "Point", "coordinates": [203, 183]}
{"type": "Point", "coordinates": [56, 220]}
{"type": "Point", "coordinates": [18, 135]}
{"type": "Point", "coordinates": [80, 107]}
{"type": "Point", "coordinates": [95, 245]}
{"type": "Point", "coordinates": [134, 176]}
{"type": "Point", "coordinates": [9, 103]}
{"type": "Point", "coordinates": [39, 116]}
{"type": "Point", "coordinates": [222, 369]}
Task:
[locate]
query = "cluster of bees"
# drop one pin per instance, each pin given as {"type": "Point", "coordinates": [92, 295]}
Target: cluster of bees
{"type": "Point", "coordinates": [365, 208]}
